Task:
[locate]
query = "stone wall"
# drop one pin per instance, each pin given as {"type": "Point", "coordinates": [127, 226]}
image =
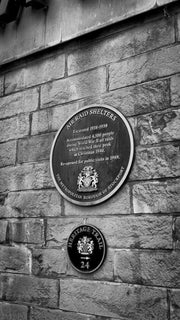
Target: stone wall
{"type": "Point", "coordinates": [134, 67]}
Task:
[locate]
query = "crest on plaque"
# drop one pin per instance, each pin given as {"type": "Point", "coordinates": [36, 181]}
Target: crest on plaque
{"type": "Point", "coordinates": [87, 180]}
{"type": "Point", "coordinates": [85, 245]}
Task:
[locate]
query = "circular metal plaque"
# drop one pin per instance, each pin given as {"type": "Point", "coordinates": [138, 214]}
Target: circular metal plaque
{"type": "Point", "coordinates": [86, 248]}
{"type": "Point", "coordinates": [91, 155]}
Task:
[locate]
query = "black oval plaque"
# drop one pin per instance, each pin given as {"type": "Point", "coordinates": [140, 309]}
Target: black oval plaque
{"type": "Point", "coordinates": [91, 155]}
{"type": "Point", "coordinates": [86, 248]}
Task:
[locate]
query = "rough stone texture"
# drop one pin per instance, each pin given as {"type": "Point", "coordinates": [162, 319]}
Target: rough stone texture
{"type": "Point", "coordinates": [156, 197]}
{"type": "Point", "coordinates": [14, 104]}
{"type": "Point", "coordinates": [42, 314]}
{"type": "Point", "coordinates": [163, 62]}
{"type": "Point", "coordinates": [178, 26]}
{"type": "Point", "coordinates": [26, 204]}
{"type": "Point", "coordinates": [52, 119]}
{"type": "Point", "coordinates": [49, 262]}
{"type": "Point", "coordinates": [138, 99]}
{"type": "Point", "coordinates": [24, 177]}
{"type": "Point", "coordinates": [1, 86]}
{"type": "Point", "coordinates": [8, 153]}
{"type": "Point", "coordinates": [13, 312]}
{"type": "Point", "coordinates": [40, 292]}
{"type": "Point", "coordinates": [27, 231]}
{"type": "Point", "coordinates": [15, 259]}
{"type": "Point", "coordinates": [118, 204]}
{"type": "Point", "coordinates": [154, 268]}
{"type": "Point", "coordinates": [3, 230]}
{"type": "Point", "coordinates": [122, 45]}
{"type": "Point", "coordinates": [175, 304]}
{"type": "Point", "coordinates": [175, 90]}
{"type": "Point", "coordinates": [14, 128]}
{"type": "Point", "coordinates": [36, 73]}
{"type": "Point", "coordinates": [119, 232]}
{"type": "Point", "coordinates": [73, 88]}
{"type": "Point", "coordinates": [119, 300]}
{"type": "Point", "coordinates": [156, 162]}
{"type": "Point", "coordinates": [35, 148]}
{"type": "Point", "coordinates": [176, 232]}
{"type": "Point", "coordinates": [158, 127]}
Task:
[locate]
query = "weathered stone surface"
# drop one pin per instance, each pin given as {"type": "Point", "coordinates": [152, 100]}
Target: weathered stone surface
{"type": "Point", "coordinates": [154, 268]}
{"type": "Point", "coordinates": [158, 127]}
{"type": "Point", "coordinates": [138, 99]}
{"type": "Point", "coordinates": [52, 119]}
{"type": "Point", "coordinates": [156, 162]}
{"type": "Point", "coordinates": [163, 62]}
{"type": "Point", "coordinates": [175, 90]}
{"type": "Point", "coordinates": [35, 73]}
{"type": "Point", "coordinates": [178, 25]}
{"type": "Point", "coordinates": [27, 231]}
{"type": "Point", "coordinates": [122, 45]}
{"type": "Point", "coordinates": [118, 204]}
{"type": "Point", "coordinates": [49, 262]}
{"type": "Point", "coordinates": [1, 86]}
{"type": "Point", "coordinates": [73, 88]}
{"type": "Point", "coordinates": [14, 104]}
{"type": "Point", "coordinates": [176, 232]}
{"type": "Point", "coordinates": [14, 128]}
{"type": "Point", "coordinates": [34, 148]}
{"type": "Point", "coordinates": [3, 230]}
{"type": "Point", "coordinates": [8, 153]}
{"type": "Point", "coordinates": [28, 289]}
{"type": "Point", "coordinates": [175, 304]}
{"type": "Point", "coordinates": [25, 177]}
{"type": "Point", "coordinates": [119, 232]}
{"type": "Point", "coordinates": [13, 312]}
{"type": "Point", "coordinates": [42, 314]}
{"type": "Point", "coordinates": [15, 259]}
{"type": "Point", "coordinates": [156, 197]}
{"type": "Point", "coordinates": [31, 204]}
{"type": "Point", "coordinates": [113, 300]}
{"type": "Point", "coordinates": [105, 272]}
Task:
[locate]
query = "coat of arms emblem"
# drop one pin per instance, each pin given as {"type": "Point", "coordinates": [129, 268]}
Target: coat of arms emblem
{"type": "Point", "coordinates": [87, 180]}
{"type": "Point", "coordinates": [85, 245]}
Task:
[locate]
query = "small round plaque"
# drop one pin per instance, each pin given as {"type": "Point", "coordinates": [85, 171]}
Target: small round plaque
{"type": "Point", "coordinates": [86, 248]}
{"type": "Point", "coordinates": [91, 155]}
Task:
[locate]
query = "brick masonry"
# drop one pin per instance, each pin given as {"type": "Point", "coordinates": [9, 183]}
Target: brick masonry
{"type": "Point", "coordinates": [135, 68]}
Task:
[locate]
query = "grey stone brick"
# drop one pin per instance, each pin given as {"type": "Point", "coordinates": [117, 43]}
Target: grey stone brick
{"type": "Point", "coordinates": [27, 231]}
{"type": "Point", "coordinates": [48, 314]}
{"type": "Point", "coordinates": [113, 300]}
{"type": "Point", "coordinates": [8, 153]}
{"type": "Point", "coordinates": [175, 304]}
{"type": "Point", "coordinates": [14, 128]}
{"type": "Point", "coordinates": [13, 312]}
{"type": "Point", "coordinates": [175, 90]}
{"type": "Point", "coordinates": [15, 259]}
{"type": "Point", "coordinates": [3, 230]}
{"type": "Point", "coordinates": [176, 232]}
{"type": "Point", "coordinates": [156, 64]}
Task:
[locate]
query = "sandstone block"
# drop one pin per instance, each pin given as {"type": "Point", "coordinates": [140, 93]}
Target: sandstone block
{"type": "Point", "coordinates": [49, 262]}
{"type": "Point", "coordinates": [144, 67]}
{"type": "Point", "coordinates": [35, 148]}
{"type": "Point", "coordinates": [24, 177]}
{"type": "Point", "coordinates": [8, 153]}
{"type": "Point", "coordinates": [156, 197]}
{"type": "Point", "coordinates": [3, 230]}
{"type": "Point", "coordinates": [15, 259]}
{"type": "Point", "coordinates": [113, 300]}
{"type": "Point", "coordinates": [156, 162]}
{"type": "Point", "coordinates": [73, 88]}
{"type": "Point", "coordinates": [28, 289]}
{"type": "Point", "coordinates": [118, 204]}
{"type": "Point", "coordinates": [120, 232]}
{"type": "Point", "coordinates": [52, 119]}
{"type": "Point", "coordinates": [27, 231]}
{"type": "Point", "coordinates": [35, 73]}
{"type": "Point", "coordinates": [13, 312]}
{"type": "Point", "coordinates": [14, 104]}
{"type": "Point", "coordinates": [175, 90]}
{"type": "Point", "coordinates": [158, 127]}
{"type": "Point", "coordinates": [176, 232]}
{"type": "Point", "coordinates": [175, 304]}
{"type": "Point", "coordinates": [31, 204]}
{"type": "Point", "coordinates": [122, 45]}
{"type": "Point", "coordinates": [14, 128]}
{"type": "Point", "coordinates": [48, 314]}
{"type": "Point", "coordinates": [154, 268]}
